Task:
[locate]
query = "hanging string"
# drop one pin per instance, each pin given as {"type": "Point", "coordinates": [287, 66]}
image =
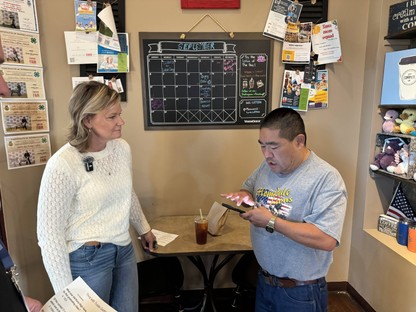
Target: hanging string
{"type": "Point", "coordinates": [106, 3]}
{"type": "Point", "coordinates": [231, 34]}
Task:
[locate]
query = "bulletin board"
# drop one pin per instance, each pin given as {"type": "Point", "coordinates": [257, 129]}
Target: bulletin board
{"type": "Point", "coordinates": [207, 80]}
{"type": "Point", "coordinates": [118, 7]}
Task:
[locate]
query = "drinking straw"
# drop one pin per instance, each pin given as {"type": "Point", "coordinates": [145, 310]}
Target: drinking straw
{"type": "Point", "coordinates": [200, 212]}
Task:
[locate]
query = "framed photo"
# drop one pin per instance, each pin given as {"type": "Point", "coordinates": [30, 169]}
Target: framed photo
{"type": "Point", "coordinates": [399, 80]}
{"type": "Point", "coordinates": [210, 4]}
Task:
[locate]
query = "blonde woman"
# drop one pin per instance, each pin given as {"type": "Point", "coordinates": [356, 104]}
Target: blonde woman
{"type": "Point", "coordinates": [86, 201]}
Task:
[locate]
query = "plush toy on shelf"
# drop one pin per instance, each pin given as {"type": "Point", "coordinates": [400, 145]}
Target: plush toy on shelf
{"type": "Point", "coordinates": [407, 121]}
{"type": "Point", "coordinates": [386, 157]}
{"type": "Point", "coordinates": [389, 124]}
{"type": "Point", "coordinates": [401, 161]}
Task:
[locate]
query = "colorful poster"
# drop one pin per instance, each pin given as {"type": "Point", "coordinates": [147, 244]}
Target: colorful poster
{"type": "Point", "coordinates": [291, 90]}
{"type": "Point", "coordinates": [85, 16]}
{"type": "Point", "coordinates": [20, 48]}
{"type": "Point", "coordinates": [19, 14]}
{"type": "Point", "coordinates": [111, 61]}
{"type": "Point", "coordinates": [326, 42]}
{"type": "Point", "coordinates": [318, 93]}
{"type": "Point", "coordinates": [27, 151]}
{"type": "Point", "coordinates": [19, 117]}
{"type": "Point", "coordinates": [281, 13]}
{"type": "Point", "coordinates": [297, 44]}
{"type": "Point", "coordinates": [24, 82]}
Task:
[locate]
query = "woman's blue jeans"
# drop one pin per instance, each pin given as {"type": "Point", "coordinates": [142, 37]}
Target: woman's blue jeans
{"type": "Point", "coordinates": [111, 271]}
{"type": "Point", "coordinates": [307, 298]}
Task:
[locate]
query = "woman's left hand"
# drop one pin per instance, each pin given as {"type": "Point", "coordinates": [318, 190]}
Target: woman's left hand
{"type": "Point", "coordinates": [148, 240]}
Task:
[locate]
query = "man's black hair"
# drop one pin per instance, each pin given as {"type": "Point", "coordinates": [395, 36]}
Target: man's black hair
{"type": "Point", "coordinates": [287, 120]}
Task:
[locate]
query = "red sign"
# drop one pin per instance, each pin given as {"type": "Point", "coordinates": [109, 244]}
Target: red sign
{"type": "Point", "coordinates": [210, 4]}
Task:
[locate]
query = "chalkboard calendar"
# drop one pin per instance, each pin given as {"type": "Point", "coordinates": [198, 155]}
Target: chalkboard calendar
{"type": "Point", "coordinates": [207, 81]}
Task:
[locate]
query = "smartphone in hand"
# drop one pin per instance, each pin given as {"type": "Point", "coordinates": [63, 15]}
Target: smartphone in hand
{"type": "Point", "coordinates": [233, 208]}
{"type": "Point", "coordinates": [154, 244]}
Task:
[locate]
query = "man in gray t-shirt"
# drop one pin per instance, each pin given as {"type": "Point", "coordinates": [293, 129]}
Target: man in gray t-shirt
{"type": "Point", "coordinates": [300, 202]}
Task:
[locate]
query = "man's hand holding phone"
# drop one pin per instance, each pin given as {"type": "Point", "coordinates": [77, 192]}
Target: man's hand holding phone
{"type": "Point", "coordinates": [233, 208]}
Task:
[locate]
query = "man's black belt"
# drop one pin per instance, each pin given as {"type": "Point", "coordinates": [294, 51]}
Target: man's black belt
{"type": "Point", "coordinates": [286, 282]}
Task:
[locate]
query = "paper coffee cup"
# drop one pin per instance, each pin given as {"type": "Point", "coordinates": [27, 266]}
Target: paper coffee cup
{"type": "Point", "coordinates": [407, 78]}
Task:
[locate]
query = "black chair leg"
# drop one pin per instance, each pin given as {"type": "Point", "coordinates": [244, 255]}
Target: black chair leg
{"type": "Point", "coordinates": [179, 302]}
{"type": "Point", "coordinates": [237, 295]}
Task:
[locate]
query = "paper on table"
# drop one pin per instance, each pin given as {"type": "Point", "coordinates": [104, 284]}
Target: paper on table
{"type": "Point", "coordinates": [77, 296]}
{"type": "Point", "coordinates": [163, 238]}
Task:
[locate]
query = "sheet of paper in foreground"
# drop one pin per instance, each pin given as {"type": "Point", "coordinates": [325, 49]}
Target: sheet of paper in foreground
{"type": "Point", "coordinates": [77, 296]}
{"type": "Point", "coordinates": [163, 238]}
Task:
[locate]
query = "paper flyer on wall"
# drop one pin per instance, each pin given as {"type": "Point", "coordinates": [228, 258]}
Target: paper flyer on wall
{"type": "Point", "coordinates": [19, 14]}
{"type": "Point", "coordinates": [107, 32]}
{"type": "Point", "coordinates": [20, 48]}
{"type": "Point", "coordinates": [281, 12]}
{"type": "Point", "coordinates": [111, 61]}
{"type": "Point", "coordinates": [294, 91]}
{"type": "Point", "coordinates": [81, 48]}
{"type": "Point", "coordinates": [326, 42]}
{"type": "Point", "coordinates": [85, 16]}
{"type": "Point", "coordinates": [318, 93]}
{"type": "Point", "coordinates": [115, 84]}
{"type": "Point", "coordinates": [77, 296]}
{"type": "Point", "coordinates": [27, 150]}
{"type": "Point", "coordinates": [24, 82]}
{"type": "Point", "coordinates": [297, 44]}
{"type": "Point", "coordinates": [24, 117]}
{"type": "Point", "coordinates": [77, 80]}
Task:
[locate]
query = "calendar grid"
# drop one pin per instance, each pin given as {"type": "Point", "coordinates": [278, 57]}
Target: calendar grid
{"type": "Point", "coordinates": [205, 83]}
{"type": "Point", "coordinates": [193, 89]}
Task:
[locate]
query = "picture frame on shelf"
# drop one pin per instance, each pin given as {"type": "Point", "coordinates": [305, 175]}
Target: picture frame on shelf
{"type": "Point", "coordinates": [399, 79]}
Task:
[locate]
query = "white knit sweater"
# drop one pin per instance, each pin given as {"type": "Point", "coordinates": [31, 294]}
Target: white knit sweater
{"type": "Point", "coordinates": [76, 206]}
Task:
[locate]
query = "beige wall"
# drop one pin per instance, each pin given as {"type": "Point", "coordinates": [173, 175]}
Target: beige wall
{"type": "Point", "coordinates": [178, 172]}
{"type": "Point", "coordinates": [381, 276]}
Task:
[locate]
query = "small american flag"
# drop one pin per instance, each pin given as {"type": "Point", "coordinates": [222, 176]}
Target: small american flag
{"type": "Point", "coordinates": [399, 206]}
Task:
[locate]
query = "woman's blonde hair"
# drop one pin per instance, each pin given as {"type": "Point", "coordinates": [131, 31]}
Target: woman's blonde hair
{"type": "Point", "coordinates": [88, 98]}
